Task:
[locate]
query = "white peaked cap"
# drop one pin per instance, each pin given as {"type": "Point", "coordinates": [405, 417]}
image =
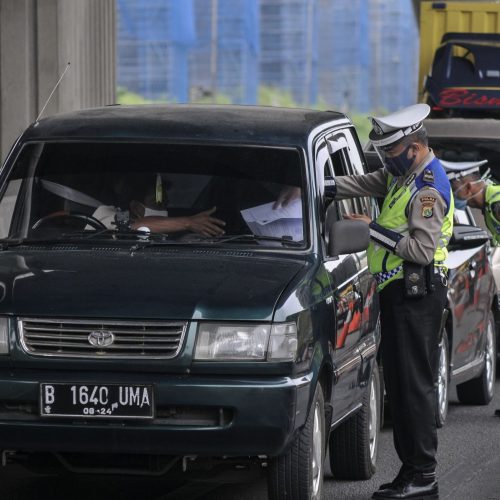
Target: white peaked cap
{"type": "Point", "coordinates": [391, 128]}
{"type": "Point", "coordinates": [457, 169]}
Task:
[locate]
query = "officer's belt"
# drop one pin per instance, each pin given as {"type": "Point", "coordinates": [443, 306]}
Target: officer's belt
{"type": "Point", "coordinates": [384, 276]}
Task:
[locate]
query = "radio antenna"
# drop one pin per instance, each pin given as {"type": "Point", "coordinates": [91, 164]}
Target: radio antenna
{"type": "Point", "coordinates": [52, 93]}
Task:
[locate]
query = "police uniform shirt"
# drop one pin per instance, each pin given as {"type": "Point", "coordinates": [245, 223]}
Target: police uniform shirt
{"type": "Point", "coordinates": [426, 211]}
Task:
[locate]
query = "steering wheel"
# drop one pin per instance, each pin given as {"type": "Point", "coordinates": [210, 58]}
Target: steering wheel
{"type": "Point", "coordinates": [88, 219]}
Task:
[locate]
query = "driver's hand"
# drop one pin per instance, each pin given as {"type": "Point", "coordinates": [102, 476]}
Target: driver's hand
{"type": "Point", "coordinates": [362, 217]}
{"type": "Point", "coordinates": [203, 223]}
{"type": "Point", "coordinates": [287, 195]}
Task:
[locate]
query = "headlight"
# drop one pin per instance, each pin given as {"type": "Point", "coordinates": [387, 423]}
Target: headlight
{"type": "Point", "coordinates": [246, 342]}
{"type": "Point", "coordinates": [4, 335]}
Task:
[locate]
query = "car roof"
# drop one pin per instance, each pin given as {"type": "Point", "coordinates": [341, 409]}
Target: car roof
{"type": "Point", "coordinates": [187, 122]}
{"type": "Point", "coordinates": [467, 128]}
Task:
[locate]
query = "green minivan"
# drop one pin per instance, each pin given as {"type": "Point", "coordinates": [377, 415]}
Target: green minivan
{"type": "Point", "coordinates": [177, 288]}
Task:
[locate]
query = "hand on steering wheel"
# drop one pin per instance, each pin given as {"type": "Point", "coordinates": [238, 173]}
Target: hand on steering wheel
{"type": "Point", "coordinates": [88, 219]}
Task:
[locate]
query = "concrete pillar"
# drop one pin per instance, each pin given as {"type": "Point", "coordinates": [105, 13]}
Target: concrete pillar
{"type": "Point", "coordinates": [18, 99]}
{"type": "Point", "coordinates": [37, 40]}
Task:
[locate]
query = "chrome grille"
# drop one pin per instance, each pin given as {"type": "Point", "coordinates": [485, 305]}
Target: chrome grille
{"type": "Point", "coordinates": [130, 339]}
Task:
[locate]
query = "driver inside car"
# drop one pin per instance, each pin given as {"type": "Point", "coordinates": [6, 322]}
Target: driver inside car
{"type": "Point", "coordinates": [150, 215]}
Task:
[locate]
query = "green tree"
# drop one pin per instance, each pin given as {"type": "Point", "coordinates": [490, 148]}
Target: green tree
{"type": "Point", "coordinates": [124, 96]}
{"type": "Point", "coordinates": [272, 96]}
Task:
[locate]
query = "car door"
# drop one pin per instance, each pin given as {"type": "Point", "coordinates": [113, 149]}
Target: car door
{"type": "Point", "coordinates": [366, 205]}
{"type": "Point", "coordinates": [469, 293]}
{"type": "Point", "coordinates": [346, 297]}
{"type": "Point", "coordinates": [349, 161]}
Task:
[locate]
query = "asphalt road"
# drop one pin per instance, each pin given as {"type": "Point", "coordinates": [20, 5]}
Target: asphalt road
{"type": "Point", "coordinates": [469, 469]}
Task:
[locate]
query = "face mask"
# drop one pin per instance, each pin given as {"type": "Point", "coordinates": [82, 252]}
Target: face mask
{"type": "Point", "coordinates": [150, 212]}
{"type": "Point", "coordinates": [460, 204]}
{"type": "Point", "coordinates": [400, 164]}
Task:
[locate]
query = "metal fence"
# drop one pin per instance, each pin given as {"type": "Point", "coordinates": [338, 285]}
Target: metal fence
{"type": "Point", "coordinates": [353, 55]}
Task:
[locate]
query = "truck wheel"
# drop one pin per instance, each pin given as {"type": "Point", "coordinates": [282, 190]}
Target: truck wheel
{"type": "Point", "coordinates": [479, 390]}
{"type": "Point", "coordinates": [298, 474]}
{"type": "Point", "coordinates": [443, 382]}
{"type": "Point", "coordinates": [354, 444]}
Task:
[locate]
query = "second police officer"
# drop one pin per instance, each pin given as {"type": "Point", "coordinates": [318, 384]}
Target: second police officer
{"type": "Point", "coordinates": [472, 189]}
{"type": "Point", "coordinates": [406, 255]}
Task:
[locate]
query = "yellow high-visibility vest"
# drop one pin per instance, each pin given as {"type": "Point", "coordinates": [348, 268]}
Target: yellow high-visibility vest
{"type": "Point", "coordinates": [394, 216]}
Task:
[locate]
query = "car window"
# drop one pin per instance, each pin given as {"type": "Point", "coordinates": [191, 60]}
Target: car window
{"type": "Point", "coordinates": [341, 166]}
{"type": "Point", "coordinates": [358, 162]}
{"type": "Point", "coordinates": [56, 190]}
{"type": "Point", "coordinates": [331, 161]}
{"type": "Point", "coordinates": [349, 160]}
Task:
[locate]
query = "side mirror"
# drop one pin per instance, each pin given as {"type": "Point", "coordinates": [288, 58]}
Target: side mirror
{"type": "Point", "coordinates": [348, 236]}
{"type": "Point", "coordinates": [465, 236]}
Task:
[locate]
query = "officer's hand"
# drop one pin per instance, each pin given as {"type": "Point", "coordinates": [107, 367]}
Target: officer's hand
{"type": "Point", "coordinates": [287, 195]}
{"type": "Point", "coordinates": [203, 223]}
{"type": "Point", "coordinates": [362, 217]}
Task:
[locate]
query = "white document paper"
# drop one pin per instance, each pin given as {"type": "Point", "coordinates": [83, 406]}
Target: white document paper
{"type": "Point", "coordinates": [263, 220]}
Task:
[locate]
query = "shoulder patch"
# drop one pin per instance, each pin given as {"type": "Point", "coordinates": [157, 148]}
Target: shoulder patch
{"type": "Point", "coordinates": [428, 175]}
{"type": "Point", "coordinates": [428, 199]}
{"type": "Point", "coordinates": [427, 211]}
{"type": "Point", "coordinates": [427, 205]}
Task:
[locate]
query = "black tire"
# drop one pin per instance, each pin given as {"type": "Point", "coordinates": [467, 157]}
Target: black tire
{"type": "Point", "coordinates": [298, 474]}
{"type": "Point", "coordinates": [354, 444]}
{"type": "Point", "coordinates": [443, 381]}
{"type": "Point", "coordinates": [480, 390]}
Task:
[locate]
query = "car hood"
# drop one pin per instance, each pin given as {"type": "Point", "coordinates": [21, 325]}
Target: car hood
{"type": "Point", "coordinates": [185, 285]}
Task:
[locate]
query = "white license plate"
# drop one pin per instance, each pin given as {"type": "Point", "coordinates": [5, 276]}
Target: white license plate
{"type": "Point", "coordinates": [96, 401]}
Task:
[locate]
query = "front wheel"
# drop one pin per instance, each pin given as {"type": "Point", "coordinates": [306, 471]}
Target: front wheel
{"type": "Point", "coordinates": [480, 390]}
{"type": "Point", "coordinates": [354, 444]}
{"type": "Point", "coordinates": [298, 474]}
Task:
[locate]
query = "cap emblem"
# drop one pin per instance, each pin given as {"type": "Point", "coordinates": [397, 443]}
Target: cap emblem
{"type": "Point", "coordinates": [377, 128]}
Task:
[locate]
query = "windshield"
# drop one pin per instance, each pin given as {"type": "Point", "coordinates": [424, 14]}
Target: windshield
{"type": "Point", "coordinates": [187, 193]}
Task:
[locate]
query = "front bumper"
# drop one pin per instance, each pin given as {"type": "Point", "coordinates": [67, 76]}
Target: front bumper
{"type": "Point", "coordinates": [194, 415]}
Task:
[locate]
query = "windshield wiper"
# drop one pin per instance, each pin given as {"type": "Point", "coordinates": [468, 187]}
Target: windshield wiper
{"type": "Point", "coordinates": [83, 237]}
{"type": "Point", "coordinates": [120, 234]}
{"type": "Point", "coordinates": [284, 240]}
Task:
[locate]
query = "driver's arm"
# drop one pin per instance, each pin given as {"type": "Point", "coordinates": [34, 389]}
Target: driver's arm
{"type": "Point", "coordinates": [201, 223]}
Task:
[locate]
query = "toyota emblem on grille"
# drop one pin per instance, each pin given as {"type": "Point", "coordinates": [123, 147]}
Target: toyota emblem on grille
{"type": "Point", "coordinates": [101, 338]}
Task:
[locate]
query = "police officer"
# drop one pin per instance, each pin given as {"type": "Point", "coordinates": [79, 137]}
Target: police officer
{"type": "Point", "coordinates": [472, 189]}
{"type": "Point", "coordinates": [406, 255]}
